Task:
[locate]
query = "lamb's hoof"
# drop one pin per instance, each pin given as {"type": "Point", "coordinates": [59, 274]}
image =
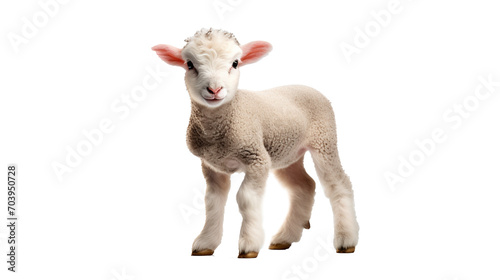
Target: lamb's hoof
{"type": "Point", "coordinates": [249, 255]}
{"type": "Point", "coordinates": [204, 252]}
{"type": "Point", "coordinates": [346, 250]}
{"type": "Point", "coordinates": [280, 246]}
{"type": "Point", "coordinates": [307, 225]}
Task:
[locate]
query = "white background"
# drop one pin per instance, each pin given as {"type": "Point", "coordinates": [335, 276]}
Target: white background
{"type": "Point", "coordinates": [121, 212]}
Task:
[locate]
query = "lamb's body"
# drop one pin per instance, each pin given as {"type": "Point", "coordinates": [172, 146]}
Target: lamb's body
{"type": "Point", "coordinates": [274, 127]}
{"type": "Point", "coordinates": [234, 130]}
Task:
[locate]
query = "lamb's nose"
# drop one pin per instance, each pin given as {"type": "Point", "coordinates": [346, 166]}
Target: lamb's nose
{"type": "Point", "coordinates": [214, 91]}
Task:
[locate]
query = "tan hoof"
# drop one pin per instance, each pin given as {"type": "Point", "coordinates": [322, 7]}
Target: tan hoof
{"type": "Point", "coordinates": [346, 250]}
{"type": "Point", "coordinates": [280, 246]}
{"type": "Point", "coordinates": [307, 225]}
{"type": "Point", "coordinates": [204, 252]}
{"type": "Point", "coordinates": [249, 255]}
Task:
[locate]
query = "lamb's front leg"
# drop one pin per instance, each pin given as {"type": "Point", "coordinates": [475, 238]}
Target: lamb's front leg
{"type": "Point", "coordinates": [218, 185]}
{"type": "Point", "coordinates": [249, 199]}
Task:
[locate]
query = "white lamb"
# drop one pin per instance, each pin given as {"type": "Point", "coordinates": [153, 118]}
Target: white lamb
{"type": "Point", "coordinates": [233, 130]}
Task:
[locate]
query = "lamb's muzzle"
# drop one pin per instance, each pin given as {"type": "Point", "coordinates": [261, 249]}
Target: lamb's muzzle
{"type": "Point", "coordinates": [233, 130]}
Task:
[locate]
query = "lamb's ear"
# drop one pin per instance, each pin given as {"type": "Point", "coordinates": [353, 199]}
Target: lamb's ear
{"type": "Point", "coordinates": [170, 55]}
{"type": "Point", "coordinates": [254, 51]}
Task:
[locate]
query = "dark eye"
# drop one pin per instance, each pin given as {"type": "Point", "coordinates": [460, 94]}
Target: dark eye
{"type": "Point", "coordinates": [190, 65]}
{"type": "Point", "coordinates": [235, 64]}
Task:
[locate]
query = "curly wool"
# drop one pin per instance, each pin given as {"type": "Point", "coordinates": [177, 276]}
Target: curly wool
{"type": "Point", "coordinates": [208, 34]}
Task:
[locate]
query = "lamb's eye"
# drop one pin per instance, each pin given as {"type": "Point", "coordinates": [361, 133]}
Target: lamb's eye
{"type": "Point", "coordinates": [235, 64]}
{"type": "Point", "coordinates": [190, 65]}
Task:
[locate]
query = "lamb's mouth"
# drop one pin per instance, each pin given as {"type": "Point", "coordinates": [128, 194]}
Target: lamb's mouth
{"type": "Point", "coordinates": [213, 99]}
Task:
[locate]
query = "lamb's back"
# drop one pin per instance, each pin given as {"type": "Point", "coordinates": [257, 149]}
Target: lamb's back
{"type": "Point", "coordinates": [283, 117]}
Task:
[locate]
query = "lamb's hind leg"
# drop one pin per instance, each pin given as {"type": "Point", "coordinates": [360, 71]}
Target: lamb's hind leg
{"type": "Point", "coordinates": [218, 185]}
{"type": "Point", "coordinates": [338, 189]}
{"type": "Point", "coordinates": [301, 189]}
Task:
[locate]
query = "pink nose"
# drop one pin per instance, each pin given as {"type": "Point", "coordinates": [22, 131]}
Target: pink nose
{"type": "Point", "coordinates": [214, 91]}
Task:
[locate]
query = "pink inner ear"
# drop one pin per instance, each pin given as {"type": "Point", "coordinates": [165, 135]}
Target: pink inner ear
{"type": "Point", "coordinates": [254, 51]}
{"type": "Point", "coordinates": [169, 54]}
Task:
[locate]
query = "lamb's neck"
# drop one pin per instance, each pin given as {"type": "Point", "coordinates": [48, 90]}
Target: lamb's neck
{"type": "Point", "coordinates": [208, 119]}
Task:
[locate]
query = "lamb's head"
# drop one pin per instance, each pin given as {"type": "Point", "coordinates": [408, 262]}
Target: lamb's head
{"type": "Point", "coordinates": [212, 59]}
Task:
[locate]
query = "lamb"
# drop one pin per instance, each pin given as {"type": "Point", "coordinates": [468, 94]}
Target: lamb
{"type": "Point", "coordinates": [235, 130]}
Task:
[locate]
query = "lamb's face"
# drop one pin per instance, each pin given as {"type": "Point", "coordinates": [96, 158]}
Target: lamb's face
{"type": "Point", "coordinates": [212, 72]}
{"type": "Point", "coordinates": [212, 59]}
